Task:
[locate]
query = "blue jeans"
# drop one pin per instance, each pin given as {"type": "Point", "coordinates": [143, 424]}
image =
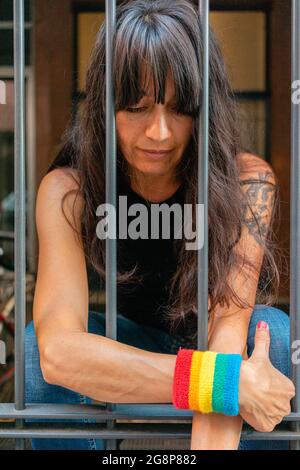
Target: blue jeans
{"type": "Point", "coordinates": [150, 339]}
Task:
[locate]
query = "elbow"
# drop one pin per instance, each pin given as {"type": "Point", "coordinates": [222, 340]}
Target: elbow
{"type": "Point", "coordinates": [50, 362]}
{"type": "Point", "coordinates": [47, 375]}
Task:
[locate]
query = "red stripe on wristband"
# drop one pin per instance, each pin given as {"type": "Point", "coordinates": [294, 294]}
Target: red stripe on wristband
{"type": "Point", "coordinates": [181, 379]}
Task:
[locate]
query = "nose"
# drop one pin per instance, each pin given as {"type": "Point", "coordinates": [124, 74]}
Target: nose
{"type": "Point", "coordinates": [158, 128]}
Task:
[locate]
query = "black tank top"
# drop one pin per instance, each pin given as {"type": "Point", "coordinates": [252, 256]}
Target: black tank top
{"type": "Point", "coordinates": [144, 301]}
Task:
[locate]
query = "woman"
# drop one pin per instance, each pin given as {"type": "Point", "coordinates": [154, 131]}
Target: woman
{"type": "Point", "coordinates": [158, 89]}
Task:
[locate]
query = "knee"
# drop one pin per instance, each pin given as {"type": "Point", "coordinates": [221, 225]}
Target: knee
{"type": "Point", "coordinates": [279, 327]}
{"type": "Point", "coordinates": [278, 321]}
{"type": "Point", "coordinates": [34, 380]}
{"type": "Point", "coordinates": [31, 348]}
{"type": "Point", "coordinates": [96, 322]}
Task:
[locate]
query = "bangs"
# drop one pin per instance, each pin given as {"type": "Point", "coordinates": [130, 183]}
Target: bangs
{"type": "Point", "coordinates": [147, 50]}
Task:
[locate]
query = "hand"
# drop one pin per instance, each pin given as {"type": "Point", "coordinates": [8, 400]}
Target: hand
{"type": "Point", "coordinates": [264, 392]}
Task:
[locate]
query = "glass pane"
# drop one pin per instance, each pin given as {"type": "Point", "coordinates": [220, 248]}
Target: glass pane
{"type": "Point", "coordinates": [7, 194]}
{"type": "Point", "coordinates": [7, 47]}
{"type": "Point", "coordinates": [6, 145]}
{"type": "Point", "coordinates": [6, 10]}
{"type": "Point", "coordinates": [7, 171]}
{"type": "Point", "coordinates": [87, 26]}
{"type": "Point", "coordinates": [253, 120]}
{"type": "Point", "coordinates": [242, 36]}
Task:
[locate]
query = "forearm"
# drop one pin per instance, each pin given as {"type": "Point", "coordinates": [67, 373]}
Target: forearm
{"type": "Point", "coordinates": [107, 370]}
{"type": "Point", "coordinates": [214, 430]}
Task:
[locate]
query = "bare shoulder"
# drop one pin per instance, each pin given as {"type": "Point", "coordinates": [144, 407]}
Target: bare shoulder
{"type": "Point", "coordinates": [253, 167]}
{"type": "Point", "coordinates": [60, 180]}
{"type": "Point", "coordinates": [58, 188]}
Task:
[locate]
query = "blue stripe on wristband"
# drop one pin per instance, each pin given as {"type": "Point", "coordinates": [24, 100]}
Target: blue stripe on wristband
{"type": "Point", "coordinates": [231, 387]}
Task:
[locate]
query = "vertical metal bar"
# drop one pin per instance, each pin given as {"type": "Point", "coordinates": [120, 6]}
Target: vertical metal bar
{"type": "Point", "coordinates": [203, 182]}
{"type": "Point", "coordinates": [20, 211]}
{"type": "Point", "coordinates": [111, 189]}
{"type": "Point", "coordinates": [295, 215]}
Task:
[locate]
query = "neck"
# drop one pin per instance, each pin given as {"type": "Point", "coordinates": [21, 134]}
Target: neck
{"type": "Point", "coordinates": [153, 188]}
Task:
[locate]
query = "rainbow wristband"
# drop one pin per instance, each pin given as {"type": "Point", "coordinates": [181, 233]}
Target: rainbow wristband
{"type": "Point", "coordinates": [207, 381]}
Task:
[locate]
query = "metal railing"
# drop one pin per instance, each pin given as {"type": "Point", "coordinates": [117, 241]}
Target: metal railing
{"type": "Point", "coordinates": [111, 430]}
{"type": "Point", "coordinates": [295, 213]}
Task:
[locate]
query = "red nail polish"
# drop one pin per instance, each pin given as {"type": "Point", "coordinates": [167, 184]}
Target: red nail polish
{"type": "Point", "coordinates": [262, 325]}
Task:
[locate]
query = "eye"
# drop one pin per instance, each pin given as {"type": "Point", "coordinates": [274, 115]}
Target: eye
{"type": "Point", "coordinates": [183, 112]}
{"type": "Point", "coordinates": [135, 110]}
{"type": "Point", "coordinates": [175, 110]}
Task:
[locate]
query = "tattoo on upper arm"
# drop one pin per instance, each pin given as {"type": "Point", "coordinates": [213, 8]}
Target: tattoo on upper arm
{"type": "Point", "coordinates": [260, 194]}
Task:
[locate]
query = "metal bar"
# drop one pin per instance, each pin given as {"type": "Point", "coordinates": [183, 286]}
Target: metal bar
{"type": "Point", "coordinates": [125, 431]}
{"type": "Point", "coordinates": [8, 72]}
{"type": "Point", "coordinates": [203, 183]}
{"type": "Point", "coordinates": [10, 25]}
{"type": "Point", "coordinates": [6, 235]}
{"type": "Point", "coordinates": [295, 214]}
{"type": "Point", "coordinates": [122, 411]}
{"type": "Point", "coordinates": [111, 187]}
{"type": "Point", "coordinates": [111, 181]}
{"type": "Point", "coordinates": [20, 213]}
{"type": "Point", "coordinates": [76, 411]}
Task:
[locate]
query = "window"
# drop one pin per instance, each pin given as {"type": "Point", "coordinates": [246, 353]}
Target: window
{"type": "Point", "coordinates": [6, 32]}
{"type": "Point", "coordinates": [87, 24]}
{"type": "Point", "coordinates": [7, 118]}
{"type": "Point", "coordinates": [243, 38]}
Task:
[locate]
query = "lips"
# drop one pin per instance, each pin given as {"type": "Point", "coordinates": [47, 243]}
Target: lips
{"type": "Point", "coordinates": [156, 153]}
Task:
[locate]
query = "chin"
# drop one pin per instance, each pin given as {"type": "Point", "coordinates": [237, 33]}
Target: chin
{"type": "Point", "coordinates": [155, 168]}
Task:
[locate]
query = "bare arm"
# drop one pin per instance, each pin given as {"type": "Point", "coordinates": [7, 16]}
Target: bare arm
{"type": "Point", "coordinates": [96, 366]}
{"type": "Point", "coordinates": [228, 331]}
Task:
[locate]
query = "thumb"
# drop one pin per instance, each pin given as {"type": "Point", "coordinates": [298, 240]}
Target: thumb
{"type": "Point", "coordinates": [261, 341]}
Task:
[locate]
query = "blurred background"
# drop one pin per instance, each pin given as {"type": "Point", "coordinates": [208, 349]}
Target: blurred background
{"type": "Point", "coordinates": [255, 37]}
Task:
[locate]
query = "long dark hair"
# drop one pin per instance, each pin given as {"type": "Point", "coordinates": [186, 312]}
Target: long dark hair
{"type": "Point", "coordinates": [166, 35]}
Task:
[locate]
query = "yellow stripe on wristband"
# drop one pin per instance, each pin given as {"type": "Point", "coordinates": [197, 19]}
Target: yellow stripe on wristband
{"type": "Point", "coordinates": [194, 379]}
{"type": "Point", "coordinates": [206, 380]}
